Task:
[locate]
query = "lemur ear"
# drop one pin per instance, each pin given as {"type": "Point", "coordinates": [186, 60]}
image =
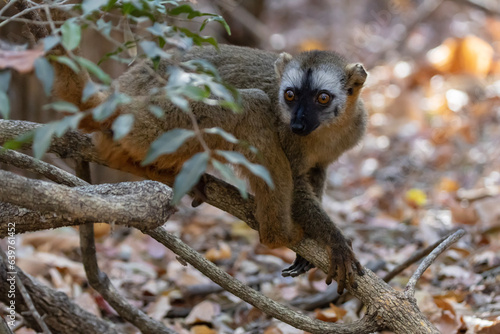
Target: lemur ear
{"type": "Point", "coordinates": [356, 76]}
{"type": "Point", "coordinates": [280, 63]}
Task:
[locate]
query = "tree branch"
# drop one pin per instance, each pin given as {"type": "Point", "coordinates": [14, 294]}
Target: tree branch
{"type": "Point", "coordinates": [263, 303]}
{"type": "Point", "coordinates": [27, 299]}
{"type": "Point", "coordinates": [78, 204]}
{"type": "Point", "coordinates": [386, 308]}
{"type": "Point", "coordinates": [60, 314]}
{"type": "Point", "coordinates": [100, 281]}
{"type": "Point", "coordinates": [410, 287]}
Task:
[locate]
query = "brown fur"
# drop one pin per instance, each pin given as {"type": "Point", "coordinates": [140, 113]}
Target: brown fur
{"type": "Point", "coordinates": [297, 163]}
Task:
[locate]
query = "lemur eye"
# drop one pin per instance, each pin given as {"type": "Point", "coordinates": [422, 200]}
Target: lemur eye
{"type": "Point", "coordinates": [324, 98]}
{"type": "Point", "coordinates": [289, 95]}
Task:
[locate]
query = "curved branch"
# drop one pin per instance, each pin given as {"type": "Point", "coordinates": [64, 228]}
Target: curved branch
{"type": "Point", "coordinates": [410, 287]}
{"type": "Point", "coordinates": [267, 305]}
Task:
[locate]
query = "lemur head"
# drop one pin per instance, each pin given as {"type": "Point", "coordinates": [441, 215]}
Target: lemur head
{"type": "Point", "coordinates": [315, 88]}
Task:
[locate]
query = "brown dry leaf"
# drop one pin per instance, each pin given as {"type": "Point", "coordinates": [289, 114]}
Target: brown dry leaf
{"type": "Point", "coordinates": [203, 312]}
{"type": "Point", "coordinates": [22, 61]}
{"type": "Point", "coordinates": [101, 230]}
{"type": "Point", "coordinates": [470, 55]}
{"type": "Point", "coordinates": [460, 214]}
{"type": "Point", "coordinates": [447, 323]}
{"type": "Point", "coordinates": [50, 241]}
{"type": "Point", "coordinates": [75, 269]}
{"type": "Point", "coordinates": [88, 303]}
{"type": "Point", "coordinates": [222, 253]}
{"type": "Point", "coordinates": [32, 266]}
{"type": "Point", "coordinates": [283, 253]}
{"type": "Point", "coordinates": [159, 308]}
{"type": "Point", "coordinates": [488, 211]}
{"type": "Point", "coordinates": [331, 314]}
{"type": "Point", "coordinates": [449, 185]}
{"type": "Point", "coordinates": [202, 329]}
{"type": "Point", "coordinates": [492, 328]}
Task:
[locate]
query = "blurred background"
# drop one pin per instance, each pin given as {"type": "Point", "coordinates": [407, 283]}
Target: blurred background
{"type": "Point", "coordinates": [430, 163]}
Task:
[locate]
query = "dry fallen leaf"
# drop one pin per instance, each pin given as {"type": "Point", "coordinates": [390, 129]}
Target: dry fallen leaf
{"type": "Point", "coordinates": [204, 312]}
{"type": "Point", "coordinates": [22, 61]}
{"type": "Point", "coordinates": [331, 314]}
{"type": "Point", "coordinates": [202, 329]}
{"type": "Point", "coordinates": [222, 253]}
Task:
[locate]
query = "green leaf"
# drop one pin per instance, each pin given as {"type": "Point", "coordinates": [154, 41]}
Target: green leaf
{"type": "Point", "coordinates": [68, 62]}
{"type": "Point", "coordinates": [19, 141]}
{"type": "Point", "coordinates": [94, 69]}
{"type": "Point", "coordinates": [239, 159]}
{"type": "Point", "coordinates": [67, 123]}
{"type": "Point", "coordinates": [106, 109]}
{"type": "Point", "coordinates": [157, 111]}
{"type": "Point", "coordinates": [167, 143]}
{"type": "Point", "coordinates": [90, 89]}
{"type": "Point", "coordinates": [189, 175]}
{"type": "Point", "coordinates": [179, 101]}
{"type": "Point", "coordinates": [45, 73]}
{"type": "Point", "coordinates": [187, 9]}
{"type": "Point", "coordinates": [122, 126]}
{"type": "Point", "coordinates": [71, 34]}
{"type": "Point", "coordinates": [42, 138]}
{"type": "Point", "coordinates": [4, 105]}
{"type": "Point", "coordinates": [197, 39]}
{"type": "Point", "coordinates": [5, 76]}
{"type": "Point", "coordinates": [50, 41]}
{"type": "Point", "coordinates": [219, 19]}
{"type": "Point", "coordinates": [152, 50]}
{"type": "Point", "coordinates": [89, 6]}
{"type": "Point", "coordinates": [104, 27]}
{"type": "Point", "coordinates": [228, 175]}
{"type": "Point", "coordinates": [62, 106]}
{"type": "Point", "coordinates": [226, 135]}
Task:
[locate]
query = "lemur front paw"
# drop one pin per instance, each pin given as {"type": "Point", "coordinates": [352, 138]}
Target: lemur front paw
{"type": "Point", "coordinates": [343, 263]}
{"type": "Point", "coordinates": [298, 267]}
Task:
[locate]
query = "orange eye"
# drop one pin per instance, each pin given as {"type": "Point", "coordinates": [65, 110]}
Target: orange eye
{"type": "Point", "coordinates": [323, 98]}
{"type": "Point", "coordinates": [289, 95]}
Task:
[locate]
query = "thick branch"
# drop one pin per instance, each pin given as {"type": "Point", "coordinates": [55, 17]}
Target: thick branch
{"type": "Point", "coordinates": [77, 204]}
{"type": "Point", "coordinates": [27, 298]}
{"type": "Point", "coordinates": [59, 313]}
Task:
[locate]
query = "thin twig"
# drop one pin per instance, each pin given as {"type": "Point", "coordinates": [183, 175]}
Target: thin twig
{"type": "Point", "coordinates": [410, 287]}
{"type": "Point", "coordinates": [414, 258]}
{"type": "Point", "coordinates": [26, 296]}
{"type": "Point", "coordinates": [7, 6]}
{"type": "Point", "coordinates": [35, 22]}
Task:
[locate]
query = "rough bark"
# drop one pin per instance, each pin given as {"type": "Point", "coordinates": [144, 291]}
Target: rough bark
{"type": "Point", "coordinates": [387, 309]}
{"type": "Point", "coordinates": [60, 314]}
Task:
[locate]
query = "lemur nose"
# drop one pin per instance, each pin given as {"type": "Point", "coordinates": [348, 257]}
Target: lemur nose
{"type": "Point", "coordinates": [297, 127]}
